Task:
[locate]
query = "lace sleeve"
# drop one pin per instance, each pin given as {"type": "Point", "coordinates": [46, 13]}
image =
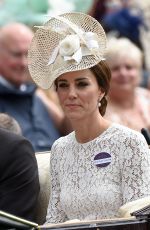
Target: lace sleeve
{"type": "Point", "coordinates": [135, 168]}
{"type": "Point", "coordinates": [55, 214]}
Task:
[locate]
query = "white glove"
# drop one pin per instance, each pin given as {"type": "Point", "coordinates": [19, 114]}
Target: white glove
{"type": "Point", "coordinates": [126, 209]}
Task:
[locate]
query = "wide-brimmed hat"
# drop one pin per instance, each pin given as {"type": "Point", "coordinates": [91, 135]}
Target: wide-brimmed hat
{"type": "Point", "coordinates": [65, 43]}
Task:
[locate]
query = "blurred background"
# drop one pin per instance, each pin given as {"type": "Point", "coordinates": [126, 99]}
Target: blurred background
{"type": "Point", "coordinates": [32, 12]}
{"type": "Point", "coordinates": [120, 18]}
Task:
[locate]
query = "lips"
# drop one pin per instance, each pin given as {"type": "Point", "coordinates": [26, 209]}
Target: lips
{"type": "Point", "coordinates": [72, 105]}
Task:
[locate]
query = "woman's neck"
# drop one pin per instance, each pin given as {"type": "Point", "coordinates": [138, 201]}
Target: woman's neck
{"type": "Point", "coordinates": [88, 130]}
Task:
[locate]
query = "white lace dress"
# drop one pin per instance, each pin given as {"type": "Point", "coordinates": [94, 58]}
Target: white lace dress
{"type": "Point", "coordinates": [92, 180]}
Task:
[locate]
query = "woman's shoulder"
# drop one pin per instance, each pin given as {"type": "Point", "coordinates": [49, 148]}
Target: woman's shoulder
{"type": "Point", "coordinates": [61, 145]}
{"type": "Point", "coordinates": [140, 91]}
{"type": "Point", "coordinates": [64, 140]}
{"type": "Point", "coordinates": [126, 132]}
{"type": "Point", "coordinates": [129, 139]}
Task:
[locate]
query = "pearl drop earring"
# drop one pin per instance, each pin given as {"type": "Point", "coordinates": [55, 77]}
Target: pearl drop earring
{"type": "Point", "coordinates": [99, 103]}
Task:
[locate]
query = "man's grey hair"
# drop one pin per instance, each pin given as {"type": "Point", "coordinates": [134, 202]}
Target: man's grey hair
{"type": "Point", "coordinates": [9, 123]}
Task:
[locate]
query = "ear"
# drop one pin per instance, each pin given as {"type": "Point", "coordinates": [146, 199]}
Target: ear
{"type": "Point", "coordinates": [101, 94]}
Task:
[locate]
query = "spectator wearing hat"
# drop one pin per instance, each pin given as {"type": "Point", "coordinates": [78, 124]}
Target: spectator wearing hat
{"type": "Point", "coordinates": [101, 165]}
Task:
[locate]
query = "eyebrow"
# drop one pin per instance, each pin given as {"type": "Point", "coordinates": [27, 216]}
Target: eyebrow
{"type": "Point", "coordinates": [78, 79]}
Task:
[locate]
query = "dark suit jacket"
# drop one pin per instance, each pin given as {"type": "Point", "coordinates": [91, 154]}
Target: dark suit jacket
{"type": "Point", "coordinates": [19, 182]}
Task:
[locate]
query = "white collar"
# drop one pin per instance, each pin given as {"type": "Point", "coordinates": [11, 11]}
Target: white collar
{"type": "Point", "coordinates": [9, 85]}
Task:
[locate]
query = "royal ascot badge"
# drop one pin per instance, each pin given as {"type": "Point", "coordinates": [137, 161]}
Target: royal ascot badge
{"type": "Point", "coordinates": [102, 159]}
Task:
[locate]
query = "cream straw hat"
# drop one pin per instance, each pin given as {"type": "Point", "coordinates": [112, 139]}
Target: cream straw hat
{"type": "Point", "coordinates": [65, 43]}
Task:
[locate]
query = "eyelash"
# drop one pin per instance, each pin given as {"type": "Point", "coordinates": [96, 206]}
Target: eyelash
{"type": "Point", "coordinates": [62, 85]}
{"type": "Point", "coordinates": [79, 85]}
{"type": "Point", "coordinates": [127, 67]}
{"type": "Point", "coordinates": [82, 84]}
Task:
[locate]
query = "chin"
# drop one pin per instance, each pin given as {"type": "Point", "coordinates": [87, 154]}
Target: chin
{"type": "Point", "coordinates": [74, 117]}
{"type": "Point", "coordinates": [21, 80]}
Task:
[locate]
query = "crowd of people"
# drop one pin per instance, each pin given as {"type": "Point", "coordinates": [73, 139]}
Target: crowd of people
{"type": "Point", "coordinates": [81, 92]}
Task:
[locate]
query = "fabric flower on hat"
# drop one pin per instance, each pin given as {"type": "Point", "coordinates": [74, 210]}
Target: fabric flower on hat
{"type": "Point", "coordinates": [74, 47]}
{"type": "Point", "coordinates": [69, 48]}
{"type": "Point", "coordinates": [91, 40]}
{"type": "Point", "coordinates": [69, 45]}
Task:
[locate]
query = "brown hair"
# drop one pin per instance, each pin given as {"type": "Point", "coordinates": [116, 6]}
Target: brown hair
{"type": "Point", "coordinates": [103, 75]}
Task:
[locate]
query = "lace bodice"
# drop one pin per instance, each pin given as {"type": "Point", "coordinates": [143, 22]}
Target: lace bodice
{"type": "Point", "coordinates": [82, 190]}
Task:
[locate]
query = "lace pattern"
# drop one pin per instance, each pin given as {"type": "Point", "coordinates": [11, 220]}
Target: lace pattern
{"type": "Point", "coordinates": [81, 190]}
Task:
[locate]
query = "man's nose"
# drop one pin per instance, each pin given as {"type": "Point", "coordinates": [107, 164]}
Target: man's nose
{"type": "Point", "coordinates": [24, 60]}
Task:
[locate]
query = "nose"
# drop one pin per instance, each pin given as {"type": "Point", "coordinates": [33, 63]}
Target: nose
{"type": "Point", "coordinates": [123, 71]}
{"type": "Point", "coordinates": [72, 92]}
{"type": "Point", "coordinates": [23, 61]}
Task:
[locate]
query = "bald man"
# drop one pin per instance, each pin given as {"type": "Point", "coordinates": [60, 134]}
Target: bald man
{"type": "Point", "coordinates": [14, 43]}
{"type": "Point", "coordinates": [17, 94]}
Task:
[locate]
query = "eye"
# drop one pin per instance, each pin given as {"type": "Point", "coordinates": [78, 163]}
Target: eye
{"type": "Point", "coordinates": [82, 84]}
{"type": "Point", "coordinates": [18, 54]}
{"type": "Point", "coordinates": [115, 68]}
{"type": "Point", "coordinates": [129, 67]}
{"type": "Point", "coordinates": [62, 85]}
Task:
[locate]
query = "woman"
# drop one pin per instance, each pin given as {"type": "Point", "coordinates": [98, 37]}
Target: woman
{"type": "Point", "coordinates": [128, 104]}
{"type": "Point", "coordinates": [100, 165]}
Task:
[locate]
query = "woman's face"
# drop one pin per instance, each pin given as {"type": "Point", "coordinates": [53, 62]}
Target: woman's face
{"type": "Point", "coordinates": [125, 74]}
{"type": "Point", "coordinates": [79, 94]}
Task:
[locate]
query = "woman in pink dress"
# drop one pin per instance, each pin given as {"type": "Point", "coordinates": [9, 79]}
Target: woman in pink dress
{"type": "Point", "coordinates": [128, 103]}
